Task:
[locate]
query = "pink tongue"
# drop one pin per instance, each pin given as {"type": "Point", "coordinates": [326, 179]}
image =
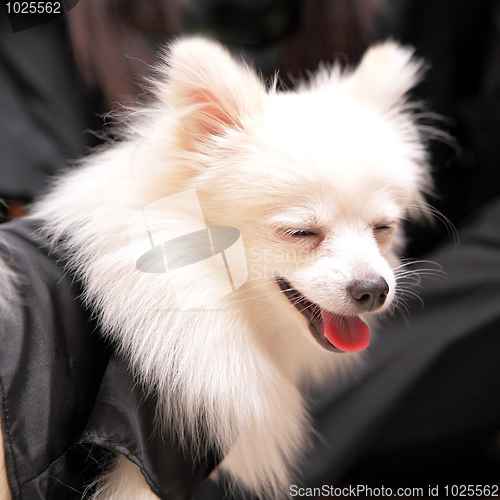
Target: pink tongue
{"type": "Point", "coordinates": [348, 334]}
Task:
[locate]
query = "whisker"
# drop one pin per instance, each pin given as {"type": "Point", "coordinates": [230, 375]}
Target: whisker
{"type": "Point", "coordinates": [409, 277]}
{"type": "Point", "coordinates": [430, 210]}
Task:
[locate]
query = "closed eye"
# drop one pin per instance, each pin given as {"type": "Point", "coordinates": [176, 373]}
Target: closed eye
{"type": "Point", "coordinates": [298, 233]}
{"type": "Point", "coordinates": [383, 232]}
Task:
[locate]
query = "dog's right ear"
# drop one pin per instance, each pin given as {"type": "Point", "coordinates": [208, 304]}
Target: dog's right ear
{"type": "Point", "coordinates": [211, 90]}
{"type": "Point", "coordinates": [386, 73]}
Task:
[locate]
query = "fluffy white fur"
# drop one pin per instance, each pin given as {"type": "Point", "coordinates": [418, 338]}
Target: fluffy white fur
{"type": "Point", "coordinates": [342, 155]}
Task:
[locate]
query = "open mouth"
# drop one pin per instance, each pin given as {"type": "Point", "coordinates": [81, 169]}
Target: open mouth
{"type": "Point", "coordinates": [332, 331]}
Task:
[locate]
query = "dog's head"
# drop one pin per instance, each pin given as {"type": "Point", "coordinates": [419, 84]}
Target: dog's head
{"type": "Point", "coordinates": [317, 179]}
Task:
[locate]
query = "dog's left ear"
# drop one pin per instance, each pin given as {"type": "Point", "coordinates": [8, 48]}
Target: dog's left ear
{"type": "Point", "coordinates": [386, 73]}
{"type": "Point", "coordinates": [211, 91]}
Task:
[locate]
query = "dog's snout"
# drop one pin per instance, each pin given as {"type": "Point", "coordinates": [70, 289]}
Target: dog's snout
{"type": "Point", "coordinates": [369, 293]}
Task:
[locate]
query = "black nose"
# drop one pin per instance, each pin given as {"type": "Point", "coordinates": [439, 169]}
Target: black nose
{"type": "Point", "coordinates": [369, 293]}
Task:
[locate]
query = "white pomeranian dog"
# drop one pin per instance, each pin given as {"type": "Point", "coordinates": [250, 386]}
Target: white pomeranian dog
{"type": "Point", "coordinates": [300, 195]}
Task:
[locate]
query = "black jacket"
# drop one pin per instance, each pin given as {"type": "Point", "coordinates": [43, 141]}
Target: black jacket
{"type": "Point", "coordinates": [67, 398]}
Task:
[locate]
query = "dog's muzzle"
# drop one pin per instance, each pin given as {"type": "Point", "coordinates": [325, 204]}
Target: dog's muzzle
{"type": "Point", "coordinates": [335, 332]}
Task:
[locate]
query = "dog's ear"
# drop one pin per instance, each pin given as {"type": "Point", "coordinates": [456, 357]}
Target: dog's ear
{"type": "Point", "coordinates": [209, 89]}
{"type": "Point", "coordinates": [386, 73]}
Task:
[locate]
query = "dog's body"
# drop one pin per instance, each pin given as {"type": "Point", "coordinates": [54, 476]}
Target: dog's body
{"type": "Point", "coordinates": [315, 180]}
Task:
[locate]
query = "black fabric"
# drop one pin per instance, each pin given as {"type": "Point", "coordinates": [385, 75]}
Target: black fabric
{"type": "Point", "coordinates": [123, 420]}
{"type": "Point", "coordinates": [67, 398]}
